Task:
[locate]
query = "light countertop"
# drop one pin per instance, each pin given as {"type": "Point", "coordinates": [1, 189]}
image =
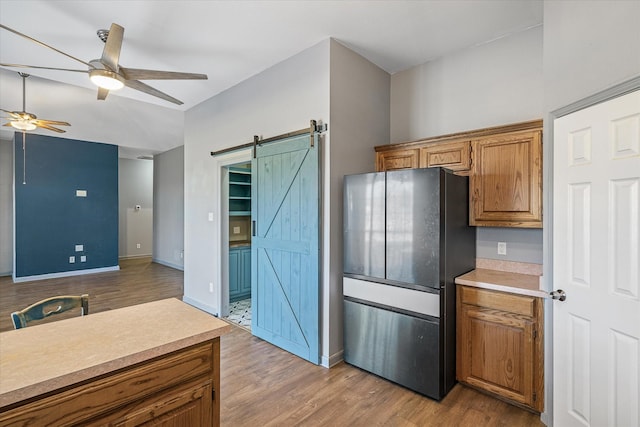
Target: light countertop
{"type": "Point", "coordinates": [46, 357]}
{"type": "Point", "coordinates": [516, 283]}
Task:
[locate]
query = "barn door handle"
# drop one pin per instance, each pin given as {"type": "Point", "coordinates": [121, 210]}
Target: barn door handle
{"type": "Point", "coordinates": [253, 228]}
{"type": "Point", "coordinates": [559, 295]}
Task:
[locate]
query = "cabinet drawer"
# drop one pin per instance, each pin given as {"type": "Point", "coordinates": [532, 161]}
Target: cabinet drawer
{"type": "Point", "coordinates": [454, 156]}
{"type": "Point", "coordinates": [517, 304]}
{"type": "Point", "coordinates": [85, 401]}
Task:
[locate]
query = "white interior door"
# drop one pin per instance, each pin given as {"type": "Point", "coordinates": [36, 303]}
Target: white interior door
{"type": "Point", "coordinates": [596, 223]}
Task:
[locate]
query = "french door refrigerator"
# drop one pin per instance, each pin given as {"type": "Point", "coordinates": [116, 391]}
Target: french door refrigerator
{"type": "Point", "coordinates": [406, 238]}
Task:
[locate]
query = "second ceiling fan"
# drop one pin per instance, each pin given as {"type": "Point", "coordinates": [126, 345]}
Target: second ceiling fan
{"type": "Point", "coordinates": [107, 73]}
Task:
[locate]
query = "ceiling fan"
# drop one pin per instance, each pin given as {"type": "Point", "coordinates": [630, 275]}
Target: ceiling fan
{"type": "Point", "coordinates": [24, 121]}
{"type": "Point", "coordinates": [108, 74]}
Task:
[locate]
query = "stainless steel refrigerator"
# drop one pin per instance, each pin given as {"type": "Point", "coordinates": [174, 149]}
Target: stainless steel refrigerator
{"type": "Point", "coordinates": [406, 238]}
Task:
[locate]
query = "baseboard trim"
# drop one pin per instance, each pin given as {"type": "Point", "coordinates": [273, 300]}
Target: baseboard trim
{"type": "Point", "coordinates": [135, 256]}
{"type": "Point", "coordinates": [333, 360]}
{"type": "Point", "coordinates": [168, 264]}
{"type": "Point", "coordinates": [197, 304]}
{"type": "Point", "coordinates": [64, 274]}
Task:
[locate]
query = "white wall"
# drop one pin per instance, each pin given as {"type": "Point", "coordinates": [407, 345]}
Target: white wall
{"type": "Point", "coordinates": [588, 47]}
{"type": "Point", "coordinates": [489, 85]}
{"type": "Point", "coordinates": [6, 207]}
{"type": "Point", "coordinates": [135, 187]}
{"type": "Point", "coordinates": [359, 121]}
{"type": "Point", "coordinates": [168, 208]}
{"type": "Point", "coordinates": [278, 100]}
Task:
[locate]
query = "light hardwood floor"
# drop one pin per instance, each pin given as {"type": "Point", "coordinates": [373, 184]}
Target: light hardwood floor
{"type": "Point", "coordinates": [265, 386]}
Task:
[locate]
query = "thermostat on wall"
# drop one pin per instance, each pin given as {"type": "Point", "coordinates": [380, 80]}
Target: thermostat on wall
{"type": "Point", "coordinates": [81, 193]}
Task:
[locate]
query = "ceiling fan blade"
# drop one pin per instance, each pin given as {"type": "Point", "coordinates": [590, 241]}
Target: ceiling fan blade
{"type": "Point", "coordinates": [14, 115]}
{"type": "Point", "coordinates": [137, 85]}
{"type": "Point", "coordinates": [40, 122]}
{"type": "Point", "coordinates": [44, 126]}
{"type": "Point", "coordinates": [45, 45]}
{"type": "Point", "coordinates": [42, 68]}
{"type": "Point", "coordinates": [111, 52]}
{"type": "Point", "coordinates": [140, 74]}
{"type": "Point", "coordinates": [102, 93]}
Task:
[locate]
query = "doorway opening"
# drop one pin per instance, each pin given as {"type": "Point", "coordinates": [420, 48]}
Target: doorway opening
{"type": "Point", "coordinates": [238, 232]}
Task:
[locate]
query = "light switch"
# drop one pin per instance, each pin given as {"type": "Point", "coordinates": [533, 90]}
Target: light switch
{"type": "Point", "coordinates": [83, 258]}
{"type": "Point", "coordinates": [79, 248]}
{"type": "Point", "coordinates": [236, 230]}
{"type": "Point", "coordinates": [72, 260]}
{"type": "Point", "coordinates": [210, 216]}
{"type": "Point", "coordinates": [81, 193]}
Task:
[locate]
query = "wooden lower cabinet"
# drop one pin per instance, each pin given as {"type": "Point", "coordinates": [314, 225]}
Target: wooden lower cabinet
{"type": "Point", "coordinates": [177, 389]}
{"type": "Point", "coordinates": [500, 345]}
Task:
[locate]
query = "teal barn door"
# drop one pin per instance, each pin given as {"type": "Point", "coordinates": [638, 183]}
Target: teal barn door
{"type": "Point", "coordinates": [285, 284]}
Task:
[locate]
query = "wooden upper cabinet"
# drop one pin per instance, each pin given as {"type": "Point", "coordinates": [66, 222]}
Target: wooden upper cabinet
{"type": "Point", "coordinates": [504, 164]}
{"type": "Point", "coordinates": [506, 180]}
{"type": "Point", "coordinates": [397, 159]}
{"type": "Point", "coordinates": [454, 155]}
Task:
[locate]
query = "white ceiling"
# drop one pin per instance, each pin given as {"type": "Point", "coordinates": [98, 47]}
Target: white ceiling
{"type": "Point", "coordinates": [231, 41]}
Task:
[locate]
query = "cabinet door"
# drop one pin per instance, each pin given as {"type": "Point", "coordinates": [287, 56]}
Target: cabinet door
{"type": "Point", "coordinates": [497, 350]}
{"type": "Point", "coordinates": [397, 159]}
{"type": "Point", "coordinates": [234, 274]}
{"type": "Point", "coordinates": [506, 180]}
{"type": "Point", "coordinates": [455, 156]}
{"type": "Point", "coordinates": [245, 272]}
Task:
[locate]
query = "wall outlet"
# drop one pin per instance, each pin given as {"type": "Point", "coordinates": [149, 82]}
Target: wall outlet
{"type": "Point", "coordinates": [137, 245]}
{"type": "Point", "coordinates": [81, 193]}
{"type": "Point", "coordinates": [211, 287]}
{"type": "Point", "coordinates": [502, 248]}
{"type": "Point", "coordinates": [210, 216]}
{"type": "Point", "coordinates": [72, 260]}
{"type": "Point", "coordinates": [83, 258]}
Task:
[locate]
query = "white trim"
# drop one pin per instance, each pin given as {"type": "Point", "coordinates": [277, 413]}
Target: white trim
{"type": "Point", "coordinates": [65, 274]}
{"type": "Point", "coordinates": [197, 304]}
{"type": "Point", "coordinates": [333, 360]}
{"type": "Point", "coordinates": [135, 256]}
{"type": "Point", "coordinates": [168, 264]}
{"type": "Point", "coordinates": [221, 231]}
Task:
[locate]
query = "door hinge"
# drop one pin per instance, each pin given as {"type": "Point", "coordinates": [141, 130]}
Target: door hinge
{"type": "Point", "coordinates": [213, 394]}
{"type": "Point", "coordinates": [535, 334]}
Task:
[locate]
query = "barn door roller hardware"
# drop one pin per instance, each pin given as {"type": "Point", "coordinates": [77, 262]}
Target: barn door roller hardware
{"type": "Point", "coordinates": [314, 127]}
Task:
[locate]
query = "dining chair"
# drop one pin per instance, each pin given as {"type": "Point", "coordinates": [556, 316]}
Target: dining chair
{"type": "Point", "coordinates": [49, 307]}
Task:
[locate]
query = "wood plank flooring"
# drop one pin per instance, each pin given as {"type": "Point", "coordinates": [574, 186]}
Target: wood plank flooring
{"type": "Point", "coordinates": [265, 386]}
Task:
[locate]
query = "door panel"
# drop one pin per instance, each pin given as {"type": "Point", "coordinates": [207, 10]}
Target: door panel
{"type": "Point", "coordinates": [364, 225]}
{"type": "Point", "coordinates": [285, 248]}
{"type": "Point", "coordinates": [596, 227]}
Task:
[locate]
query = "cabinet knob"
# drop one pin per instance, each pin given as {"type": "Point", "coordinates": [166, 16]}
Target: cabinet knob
{"type": "Point", "coordinates": [559, 295]}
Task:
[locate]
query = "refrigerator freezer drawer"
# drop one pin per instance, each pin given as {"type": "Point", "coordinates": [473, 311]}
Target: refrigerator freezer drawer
{"type": "Point", "coordinates": [395, 346]}
{"type": "Point", "coordinates": [392, 296]}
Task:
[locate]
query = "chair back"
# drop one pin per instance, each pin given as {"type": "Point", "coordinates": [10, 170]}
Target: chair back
{"type": "Point", "coordinates": [49, 307]}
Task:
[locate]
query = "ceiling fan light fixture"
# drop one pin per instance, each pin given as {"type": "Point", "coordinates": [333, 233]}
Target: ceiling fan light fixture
{"type": "Point", "coordinates": [23, 125]}
{"type": "Point", "coordinates": [106, 79]}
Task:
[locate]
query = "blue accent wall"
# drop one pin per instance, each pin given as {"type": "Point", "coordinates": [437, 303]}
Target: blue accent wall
{"type": "Point", "coordinates": [50, 219]}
